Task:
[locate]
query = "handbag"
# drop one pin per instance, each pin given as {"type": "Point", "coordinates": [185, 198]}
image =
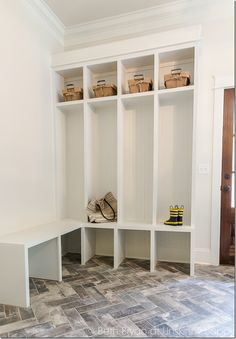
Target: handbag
{"type": "Point", "coordinates": [102, 210]}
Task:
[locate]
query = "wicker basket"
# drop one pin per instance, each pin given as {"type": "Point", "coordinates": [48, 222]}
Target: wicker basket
{"type": "Point", "coordinates": [139, 84]}
{"type": "Point", "coordinates": [72, 93]}
{"type": "Point", "coordinates": [177, 78]}
{"type": "Point", "coordinates": [103, 89]}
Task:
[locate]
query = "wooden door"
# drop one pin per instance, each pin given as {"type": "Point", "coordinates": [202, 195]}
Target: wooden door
{"type": "Point", "coordinates": [227, 236]}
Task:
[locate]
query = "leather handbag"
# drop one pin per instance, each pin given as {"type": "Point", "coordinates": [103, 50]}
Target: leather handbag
{"type": "Point", "coordinates": [102, 210]}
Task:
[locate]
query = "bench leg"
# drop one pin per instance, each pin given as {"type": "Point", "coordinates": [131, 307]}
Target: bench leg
{"type": "Point", "coordinates": [88, 243]}
{"type": "Point", "coordinates": [14, 275]}
{"type": "Point", "coordinates": [45, 260]}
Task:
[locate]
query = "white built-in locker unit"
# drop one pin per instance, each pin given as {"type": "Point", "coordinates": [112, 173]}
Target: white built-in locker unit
{"type": "Point", "coordinates": [139, 146]}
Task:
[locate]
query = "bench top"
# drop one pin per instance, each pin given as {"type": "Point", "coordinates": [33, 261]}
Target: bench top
{"type": "Point", "coordinates": [33, 236]}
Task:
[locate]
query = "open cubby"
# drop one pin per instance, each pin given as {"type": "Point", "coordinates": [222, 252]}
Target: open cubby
{"type": "Point", "coordinates": [182, 58]}
{"type": "Point", "coordinates": [175, 154]}
{"type": "Point", "coordinates": [71, 243]}
{"type": "Point", "coordinates": [102, 149]}
{"type": "Point", "coordinates": [132, 244]}
{"type": "Point", "coordinates": [138, 119]}
{"type": "Point", "coordinates": [106, 71]}
{"type": "Point", "coordinates": [133, 66]}
{"type": "Point", "coordinates": [66, 77]}
{"type": "Point", "coordinates": [173, 247]}
{"type": "Point", "coordinates": [97, 241]}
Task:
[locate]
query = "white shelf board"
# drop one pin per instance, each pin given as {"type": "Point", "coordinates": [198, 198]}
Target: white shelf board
{"type": "Point", "coordinates": [137, 98]}
{"type": "Point", "coordinates": [182, 89]}
{"type": "Point", "coordinates": [105, 225]}
{"type": "Point", "coordinates": [33, 236]}
{"type": "Point", "coordinates": [102, 101]}
{"type": "Point", "coordinates": [70, 106]}
{"type": "Point", "coordinates": [169, 228]}
{"type": "Point", "coordinates": [135, 226]}
{"type": "Point", "coordinates": [136, 95]}
{"type": "Point", "coordinates": [171, 95]}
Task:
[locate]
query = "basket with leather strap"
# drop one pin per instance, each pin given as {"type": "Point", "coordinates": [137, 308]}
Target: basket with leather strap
{"type": "Point", "coordinates": [104, 89]}
{"type": "Point", "coordinates": [177, 78]}
{"type": "Point", "coordinates": [139, 84]}
{"type": "Point", "coordinates": [72, 93]}
{"type": "Point", "coordinates": [103, 210]}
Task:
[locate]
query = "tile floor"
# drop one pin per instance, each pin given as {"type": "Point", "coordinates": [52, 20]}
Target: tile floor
{"type": "Point", "coordinates": [97, 301]}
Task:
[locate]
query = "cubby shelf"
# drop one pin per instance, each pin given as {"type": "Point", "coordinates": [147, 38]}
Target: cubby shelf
{"type": "Point", "coordinates": [140, 146]}
{"type": "Point", "coordinates": [167, 91]}
{"type": "Point", "coordinates": [70, 106]}
{"type": "Point", "coordinates": [168, 228]}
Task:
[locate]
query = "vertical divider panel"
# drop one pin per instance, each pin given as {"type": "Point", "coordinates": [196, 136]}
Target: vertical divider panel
{"type": "Point", "coordinates": [153, 251]}
{"type": "Point", "coordinates": [155, 139]}
{"type": "Point", "coordinates": [120, 141]}
{"type": "Point", "coordinates": [88, 244]}
{"type": "Point", "coordinates": [194, 165]}
{"type": "Point", "coordinates": [119, 247]}
{"type": "Point", "coordinates": [192, 254]}
{"type": "Point", "coordinates": [87, 139]}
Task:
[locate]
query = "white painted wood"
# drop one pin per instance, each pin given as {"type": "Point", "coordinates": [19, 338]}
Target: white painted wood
{"type": "Point", "coordinates": [71, 242]}
{"type": "Point", "coordinates": [119, 247]}
{"type": "Point", "coordinates": [88, 243]}
{"type": "Point", "coordinates": [175, 229]}
{"type": "Point", "coordinates": [120, 147]}
{"type": "Point", "coordinates": [138, 160]}
{"type": "Point", "coordinates": [173, 247]}
{"type": "Point", "coordinates": [155, 142]}
{"type": "Point", "coordinates": [175, 154]}
{"type": "Point", "coordinates": [70, 106]}
{"type": "Point", "coordinates": [45, 259]}
{"type": "Point", "coordinates": [192, 253]}
{"type": "Point", "coordinates": [104, 242]}
{"type": "Point", "coordinates": [140, 147]}
{"type": "Point", "coordinates": [153, 251]}
{"type": "Point", "coordinates": [14, 287]}
{"type": "Point", "coordinates": [36, 235]}
{"type": "Point", "coordinates": [75, 164]}
{"type": "Point", "coordinates": [140, 44]}
{"type": "Point", "coordinates": [102, 172]}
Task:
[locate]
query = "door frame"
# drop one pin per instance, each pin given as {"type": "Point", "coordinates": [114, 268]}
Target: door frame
{"type": "Point", "coordinates": [220, 84]}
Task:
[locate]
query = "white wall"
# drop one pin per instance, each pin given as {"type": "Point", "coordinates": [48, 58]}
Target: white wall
{"type": "Point", "coordinates": [216, 59]}
{"type": "Point", "coordinates": [26, 125]}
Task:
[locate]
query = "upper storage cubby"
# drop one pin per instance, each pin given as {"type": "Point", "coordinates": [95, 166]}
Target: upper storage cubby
{"type": "Point", "coordinates": [178, 59]}
{"type": "Point", "coordinates": [101, 74]}
{"type": "Point", "coordinates": [71, 77]}
{"type": "Point", "coordinates": [136, 68]}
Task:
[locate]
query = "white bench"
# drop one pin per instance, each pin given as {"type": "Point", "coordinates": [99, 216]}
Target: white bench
{"type": "Point", "coordinates": [33, 252]}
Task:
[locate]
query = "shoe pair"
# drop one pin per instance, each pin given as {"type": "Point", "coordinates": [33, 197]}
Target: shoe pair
{"type": "Point", "coordinates": [176, 216]}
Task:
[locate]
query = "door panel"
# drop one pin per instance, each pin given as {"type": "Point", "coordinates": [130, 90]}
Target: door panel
{"type": "Point", "coordinates": [227, 236]}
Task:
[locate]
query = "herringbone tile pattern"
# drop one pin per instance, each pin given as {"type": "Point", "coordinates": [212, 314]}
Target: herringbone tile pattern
{"type": "Point", "coordinates": [95, 300]}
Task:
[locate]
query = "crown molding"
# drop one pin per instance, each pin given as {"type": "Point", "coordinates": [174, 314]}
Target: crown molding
{"type": "Point", "coordinates": [176, 14]}
{"type": "Point", "coordinates": [52, 22]}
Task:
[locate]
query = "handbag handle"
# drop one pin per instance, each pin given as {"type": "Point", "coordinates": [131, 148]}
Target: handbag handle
{"type": "Point", "coordinates": [114, 214]}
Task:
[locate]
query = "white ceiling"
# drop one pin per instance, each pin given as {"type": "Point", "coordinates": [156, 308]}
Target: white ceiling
{"type": "Point", "coordinates": [74, 12]}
